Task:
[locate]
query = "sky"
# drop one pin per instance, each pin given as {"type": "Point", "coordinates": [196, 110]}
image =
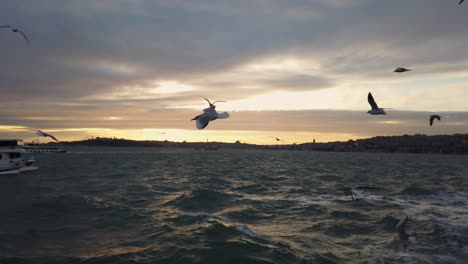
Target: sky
{"type": "Point", "coordinates": [299, 70]}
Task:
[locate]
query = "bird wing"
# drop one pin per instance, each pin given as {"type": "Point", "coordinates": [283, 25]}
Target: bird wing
{"type": "Point", "coordinates": [203, 121]}
{"type": "Point", "coordinates": [431, 119]}
{"type": "Point", "coordinates": [461, 2]}
{"type": "Point", "coordinates": [5, 26]}
{"type": "Point", "coordinates": [52, 137]}
{"type": "Point", "coordinates": [40, 133]}
{"type": "Point", "coordinates": [401, 225]}
{"type": "Point", "coordinates": [195, 118]}
{"type": "Point", "coordinates": [219, 101]}
{"type": "Point", "coordinates": [207, 100]}
{"type": "Point", "coordinates": [371, 101]}
{"type": "Point", "coordinates": [24, 36]}
{"type": "Point", "coordinates": [223, 115]}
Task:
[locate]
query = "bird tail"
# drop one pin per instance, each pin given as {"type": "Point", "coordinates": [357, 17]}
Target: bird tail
{"type": "Point", "coordinates": [223, 115]}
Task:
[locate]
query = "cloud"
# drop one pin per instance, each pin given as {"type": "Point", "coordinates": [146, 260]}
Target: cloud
{"type": "Point", "coordinates": [320, 121]}
{"type": "Point", "coordinates": [105, 59]}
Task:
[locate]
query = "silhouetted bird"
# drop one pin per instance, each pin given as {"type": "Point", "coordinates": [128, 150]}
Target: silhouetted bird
{"type": "Point", "coordinates": [209, 114]}
{"type": "Point", "coordinates": [431, 119]}
{"type": "Point", "coordinates": [278, 139]}
{"type": "Point", "coordinates": [17, 31]}
{"type": "Point", "coordinates": [375, 109]}
{"type": "Point", "coordinates": [44, 134]}
{"type": "Point", "coordinates": [461, 2]}
{"type": "Point", "coordinates": [403, 237]}
{"type": "Point", "coordinates": [401, 70]}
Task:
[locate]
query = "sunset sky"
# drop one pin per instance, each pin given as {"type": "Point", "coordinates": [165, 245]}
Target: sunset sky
{"type": "Point", "coordinates": [297, 70]}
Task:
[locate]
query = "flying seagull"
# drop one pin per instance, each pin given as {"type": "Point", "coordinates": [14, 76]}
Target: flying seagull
{"type": "Point", "coordinates": [403, 237]}
{"type": "Point", "coordinates": [431, 119]}
{"type": "Point", "coordinates": [375, 109]}
{"type": "Point", "coordinates": [401, 70]}
{"type": "Point", "coordinates": [17, 31]}
{"type": "Point", "coordinates": [209, 114]}
{"type": "Point", "coordinates": [461, 2]}
{"type": "Point", "coordinates": [278, 139]}
{"type": "Point", "coordinates": [44, 134]}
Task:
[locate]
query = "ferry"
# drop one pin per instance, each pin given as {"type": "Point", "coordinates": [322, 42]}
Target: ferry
{"type": "Point", "coordinates": [11, 157]}
{"type": "Point", "coordinates": [36, 147]}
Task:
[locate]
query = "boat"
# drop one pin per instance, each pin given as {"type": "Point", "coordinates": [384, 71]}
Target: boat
{"type": "Point", "coordinates": [36, 147]}
{"type": "Point", "coordinates": [211, 147]}
{"type": "Point", "coordinates": [11, 157]}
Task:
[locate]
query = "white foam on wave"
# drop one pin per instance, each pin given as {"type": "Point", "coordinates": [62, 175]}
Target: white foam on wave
{"type": "Point", "coordinates": [197, 214]}
{"type": "Point", "coordinates": [29, 168]}
{"type": "Point", "coordinates": [205, 214]}
{"type": "Point", "coordinates": [246, 230]}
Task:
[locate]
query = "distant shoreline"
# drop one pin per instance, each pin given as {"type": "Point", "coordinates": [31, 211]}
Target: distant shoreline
{"type": "Point", "coordinates": [419, 143]}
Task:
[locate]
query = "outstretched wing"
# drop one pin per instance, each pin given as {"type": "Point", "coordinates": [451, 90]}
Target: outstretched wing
{"type": "Point", "coordinates": [202, 121]}
{"type": "Point", "coordinates": [52, 137]}
{"type": "Point", "coordinates": [24, 36]}
{"type": "Point", "coordinates": [461, 2]}
{"type": "Point", "coordinates": [431, 119]}
{"type": "Point", "coordinates": [371, 101]}
{"type": "Point", "coordinates": [402, 225]}
{"type": "Point", "coordinates": [5, 26]}
{"type": "Point", "coordinates": [40, 133]}
{"type": "Point", "coordinates": [207, 100]}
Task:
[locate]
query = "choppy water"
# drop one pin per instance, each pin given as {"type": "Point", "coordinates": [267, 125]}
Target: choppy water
{"type": "Point", "coordinates": [227, 206]}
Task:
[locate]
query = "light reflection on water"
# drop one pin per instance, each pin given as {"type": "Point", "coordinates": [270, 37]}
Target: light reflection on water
{"type": "Point", "coordinates": [233, 206]}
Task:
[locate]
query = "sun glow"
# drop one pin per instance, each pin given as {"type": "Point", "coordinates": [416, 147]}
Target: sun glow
{"type": "Point", "coordinates": [171, 87]}
{"type": "Point", "coordinates": [180, 135]}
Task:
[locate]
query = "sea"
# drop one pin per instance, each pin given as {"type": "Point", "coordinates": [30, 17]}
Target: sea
{"type": "Point", "coordinates": [145, 205]}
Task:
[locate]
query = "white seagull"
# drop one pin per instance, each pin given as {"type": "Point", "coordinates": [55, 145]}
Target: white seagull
{"type": "Point", "coordinates": [17, 31]}
{"type": "Point", "coordinates": [375, 109]}
{"type": "Point", "coordinates": [44, 134]}
{"type": "Point", "coordinates": [209, 114]}
{"type": "Point", "coordinates": [403, 237]}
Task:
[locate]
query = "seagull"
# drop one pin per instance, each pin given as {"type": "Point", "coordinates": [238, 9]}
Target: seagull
{"type": "Point", "coordinates": [461, 2]}
{"type": "Point", "coordinates": [375, 109]}
{"type": "Point", "coordinates": [431, 119]}
{"type": "Point", "coordinates": [403, 237]}
{"type": "Point", "coordinates": [351, 192]}
{"type": "Point", "coordinates": [44, 134]}
{"type": "Point", "coordinates": [401, 70]}
{"type": "Point", "coordinates": [278, 139]}
{"type": "Point", "coordinates": [209, 114]}
{"type": "Point", "coordinates": [17, 31]}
